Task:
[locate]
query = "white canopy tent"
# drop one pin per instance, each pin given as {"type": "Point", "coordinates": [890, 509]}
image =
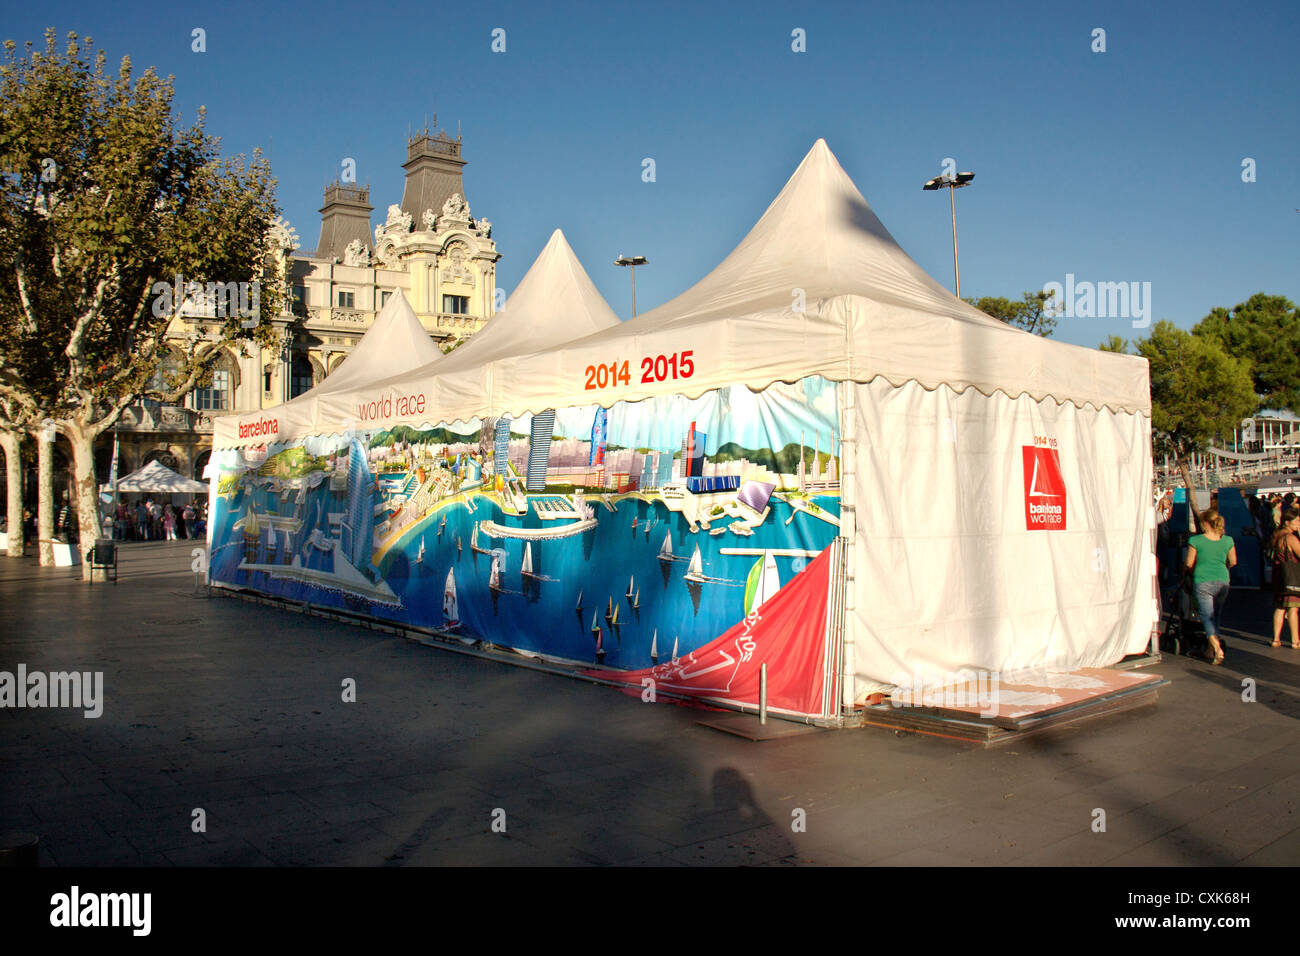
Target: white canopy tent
{"type": "Point", "coordinates": [941, 409]}
{"type": "Point", "coordinates": [157, 478]}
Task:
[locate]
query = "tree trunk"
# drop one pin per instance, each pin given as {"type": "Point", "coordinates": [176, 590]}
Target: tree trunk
{"type": "Point", "coordinates": [45, 499]}
{"type": "Point", "coordinates": [1191, 492]}
{"type": "Point", "coordinates": [85, 491]}
{"type": "Point", "coordinates": [12, 442]}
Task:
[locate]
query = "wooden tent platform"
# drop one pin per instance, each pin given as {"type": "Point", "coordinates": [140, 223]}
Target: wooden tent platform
{"type": "Point", "coordinates": [1028, 704]}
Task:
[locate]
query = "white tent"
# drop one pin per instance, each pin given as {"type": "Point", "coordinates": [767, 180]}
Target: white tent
{"type": "Point", "coordinates": [944, 416]}
{"type": "Point", "coordinates": [157, 478]}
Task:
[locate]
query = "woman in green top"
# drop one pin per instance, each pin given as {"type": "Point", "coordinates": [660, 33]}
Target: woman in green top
{"type": "Point", "coordinates": [1209, 556]}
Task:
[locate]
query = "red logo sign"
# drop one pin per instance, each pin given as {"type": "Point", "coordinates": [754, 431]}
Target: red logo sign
{"type": "Point", "coordinates": [1044, 490]}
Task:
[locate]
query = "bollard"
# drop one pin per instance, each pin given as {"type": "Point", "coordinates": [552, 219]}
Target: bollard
{"type": "Point", "coordinates": [762, 693]}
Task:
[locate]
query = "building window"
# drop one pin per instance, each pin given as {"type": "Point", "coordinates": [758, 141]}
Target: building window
{"type": "Point", "coordinates": [299, 307]}
{"type": "Point", "coordinates": [347, 300]}
{"type": "Point", "coordinates": [383, 298]}
{"type": "Point", "coordinates": [302, 379]}
{"type": "Point", "coordinates": [455, 304]}
{"type": "Point", "coordinates": [266, 379]}
{"type": "Point", "coordinates": [215, 397]}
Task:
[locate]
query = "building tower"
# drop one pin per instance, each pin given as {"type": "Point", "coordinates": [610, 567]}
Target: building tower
{"type": "Point", "coordinates": [433, 172]}
{"type": "Point", "coordinates": [344, 217]}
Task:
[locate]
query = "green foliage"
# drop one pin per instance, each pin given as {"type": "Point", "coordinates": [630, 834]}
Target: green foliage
{"type": "Point", "coordinates": [1029, 313]}
{"type": "Point", "coordinates": [1115, 344]}
{"type": "Point", "coordinates": [1198, 390]}
{"type": "Point", "coordinates": [1263, 331]}
{"type": "Point", "coordinates": [103, 195]}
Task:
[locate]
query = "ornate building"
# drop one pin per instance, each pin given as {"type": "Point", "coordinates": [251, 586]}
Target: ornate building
{"type": "Point", "coordinates": [429, 246]}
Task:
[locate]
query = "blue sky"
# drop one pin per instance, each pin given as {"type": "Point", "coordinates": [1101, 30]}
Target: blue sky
{"type": "Point", "coordinates": [1115, 166]}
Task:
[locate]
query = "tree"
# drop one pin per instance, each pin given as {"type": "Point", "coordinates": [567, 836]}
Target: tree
{"type": "Point", "coordinates": [1115, 344]}
{"type": "Point", "coordinates": [1031, 313]}
{"type": "Point", "coordinates": [1264, 331]}
{"type": "Point", "coordinates": [1198, 391]}
{"type": "Point", "coordinates": [105, 206]}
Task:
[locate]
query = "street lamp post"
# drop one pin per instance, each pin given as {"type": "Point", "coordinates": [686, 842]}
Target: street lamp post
{"type": "Point", "coordinates": [952, 183]}
{"type": "Point", "coordinates": [632, 261]}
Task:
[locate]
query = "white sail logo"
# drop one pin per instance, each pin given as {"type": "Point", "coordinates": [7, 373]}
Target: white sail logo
{"type": "Point", "coordinates": [1034, 491]}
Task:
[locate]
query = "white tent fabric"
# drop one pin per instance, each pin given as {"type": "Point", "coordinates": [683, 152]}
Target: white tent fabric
{"type": "Point", "coordinates": [948, 577]}
{"type": "Point", "coordinates": [157, 478]}
{"type": "Point", "coordinates": [396, 342]}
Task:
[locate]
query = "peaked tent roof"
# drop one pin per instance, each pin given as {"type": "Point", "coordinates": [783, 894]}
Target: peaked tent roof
{"type": "Point", "coordinates": [867, 310]}
{"type": "Point", "coordinates": [555, 302]}
{"type": "Point", "coordinates": [158, 478]}
{"type": "Point", "coordinates": [396, 342]}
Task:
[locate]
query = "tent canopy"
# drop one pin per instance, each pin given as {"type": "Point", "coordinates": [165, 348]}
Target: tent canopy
{"type": "Point", "coordinates": [817, 287]}
{"type": "Point", "coordinates": [157, 478]}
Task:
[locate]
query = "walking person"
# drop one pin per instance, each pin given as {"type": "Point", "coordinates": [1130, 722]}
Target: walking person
{"type": "Point", "coordinates": [1209, 558]}
{"type": "Point", "coordinates": [1286, 604]}
{"type": "Point", "coordinates": [169, 522]}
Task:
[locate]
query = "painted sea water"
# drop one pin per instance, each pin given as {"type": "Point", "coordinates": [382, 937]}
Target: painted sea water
{"type": "Point", "coordinates": [541, 614]}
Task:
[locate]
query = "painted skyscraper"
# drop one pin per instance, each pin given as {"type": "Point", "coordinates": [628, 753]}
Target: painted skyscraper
{"type": "Point", "coordinates": [501, 447]}
{"type": "Point", "coordinates": [539, 449]}
{"type": "Point", "coordinates": [358, 527]}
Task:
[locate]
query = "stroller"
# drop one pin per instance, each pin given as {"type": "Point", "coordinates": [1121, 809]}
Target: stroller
{"type": "Point", "coordinates": [1181, 631]}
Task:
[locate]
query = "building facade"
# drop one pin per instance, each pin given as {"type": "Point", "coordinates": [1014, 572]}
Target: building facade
{"type": "Point", "coordinates": [429, 246]}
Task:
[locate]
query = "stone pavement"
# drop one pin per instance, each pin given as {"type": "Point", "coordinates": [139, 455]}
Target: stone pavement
{"type": "Point", "coordinates": [236, 708]}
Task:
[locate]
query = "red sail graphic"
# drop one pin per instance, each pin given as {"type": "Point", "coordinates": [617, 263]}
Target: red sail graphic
{"type": "Point", "coordinates": [788, 633]}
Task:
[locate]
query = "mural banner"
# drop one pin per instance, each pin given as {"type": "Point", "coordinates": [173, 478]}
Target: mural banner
{"type": "Point", "coordinates": [625, 539]}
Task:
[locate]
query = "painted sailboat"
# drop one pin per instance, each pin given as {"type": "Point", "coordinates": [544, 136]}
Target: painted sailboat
{"type": "Point", "coordinates": [527, 569]}
{"type": "Point", "coordinates": [595, 626]}
{"type": "Point", "coordinates": [494, 576]}
{"type": "Point", "coordinates": [674, 648]}
{"type": "Point", "coordinates": [459, 547]}
{"type": "Point", "coordinates": [636, 600]}
{"type": "Point", "coordinates": [762, 583]}
{"type": "Point", "coordinates": [695, 570]}
{"type": "Point", "coordinates": [419, 556]}
{"type": "Point", "coordinates": [600, 645]}
{"type": "Point", "coordinates": [654, 647]}
{"type": "Point", "coordinates": [613, 618]}
{"type": "Point", "coordinates": [450, 611]}
{"type": "Point", "coordinates": [271, 544]}
{"type": "Point", "coordinates": [666, 549]}
{"type": "Point", "coordinates": [578, 606]}
{"type": "Point", "coordinates": [442, 525]}
{"type": "Point", "coordinates": [609, 610]}
{"type": "Point", "coordinates": [631, 587]}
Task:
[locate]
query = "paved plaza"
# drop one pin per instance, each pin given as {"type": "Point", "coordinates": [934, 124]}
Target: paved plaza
{"type": "Point", "coordinates": [236, 708]}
